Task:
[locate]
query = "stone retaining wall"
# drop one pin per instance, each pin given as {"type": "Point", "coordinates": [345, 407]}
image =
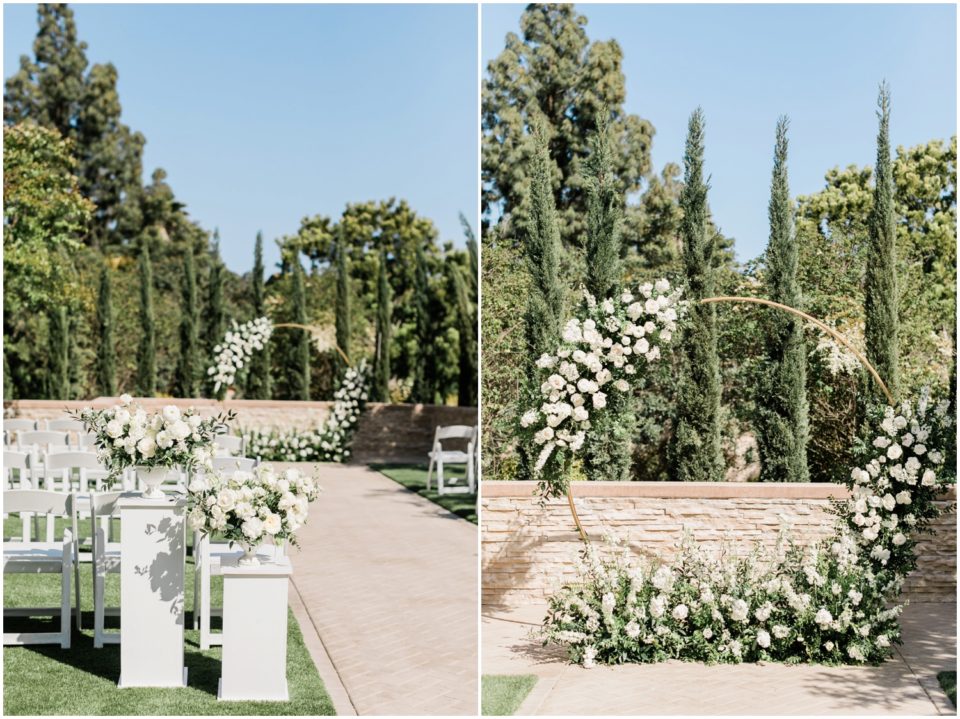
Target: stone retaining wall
{"type": "Point", "coordinates": [387, 432]}
{"type": "Point", "coordinates": [528, 550]}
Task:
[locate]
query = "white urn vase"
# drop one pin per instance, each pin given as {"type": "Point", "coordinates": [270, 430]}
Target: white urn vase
{"type": "Point", "coordinates": [152, 478]}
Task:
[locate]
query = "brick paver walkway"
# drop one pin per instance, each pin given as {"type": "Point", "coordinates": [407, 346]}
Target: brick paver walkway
{"type": "Point", "coordinates": [389, 580]}
{"type": "Point", "coordinates": [904, 685]}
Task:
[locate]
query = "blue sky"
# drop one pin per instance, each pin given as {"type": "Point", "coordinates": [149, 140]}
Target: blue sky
{"type": "Point", "coordinates": [264, 114]}
{"type": "Point", "coordinates": [748, 64]}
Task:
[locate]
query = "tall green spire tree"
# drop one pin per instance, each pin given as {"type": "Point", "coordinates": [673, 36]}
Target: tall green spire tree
{"type": "Point", "coordinates": [147, 350]}
{"type": "Point", "coordinates": [106, 350]}
{"type": "Point", "coordinates": [422, 390]}
{"type": "Point", "coordinates": [467, 332]}
{"type": "Point", "coordinates": [215, 316]}
{"type": "Point", "coordinates": [259, 381]}
{"type": "Point", "coordinates": [58, 359]}
{"type": "Point", "coordinates": [609, 456]}
{"type": "Point", "coordinates": [188, 369]}
{"type": "Point", "coordinates": [343, 300]}
{"type": "Point", "coordinates": [300, 370]}
{"type": "Point", "coordinates": [781, 421]}
{"type": "Point", "coordinates": [695, 451]}
{"type": "Point", "coordinates": [381, 363]}
{"type": "Point", "coordinates": [882, 325]}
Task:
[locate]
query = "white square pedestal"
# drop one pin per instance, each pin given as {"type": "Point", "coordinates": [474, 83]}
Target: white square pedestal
{"type": "Point", "coordinates": [151, 591]}
{"type": "Point", "coordinates": [254, 631]}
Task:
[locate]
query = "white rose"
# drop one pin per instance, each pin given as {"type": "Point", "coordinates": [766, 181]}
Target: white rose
{"type": "Point", "coordinates": [680, 612]}
{"type": "Point", "coordinates": [147, 447]}
{"type": "Point", "coordinates": [823, 618]}
{"type": "Point", "coordinates": [226, 499]}
{"type": "Point", "coordinates": [252, 528]}
{"type": "Point", "coordinates": [125, 398]}
{"type": "Point", "coordinates": [272, 523]}
{"type": "Point", "coordinates": [763, 639]}
{"type": "Point", "coordinates": [894, 451]}
{"type": "Point", "coordinates": [171, 413]}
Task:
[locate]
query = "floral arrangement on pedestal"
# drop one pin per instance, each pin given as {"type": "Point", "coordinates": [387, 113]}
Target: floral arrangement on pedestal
{"type": "Point", "coordinates": [237, 348]}
{"type": "Point", "coordinates": [833, 602]}
{"type": "Point", "coordinates": [129, 436]}
{"type": "Point", "coordinates": [251, 507]}
{"type": "Point", "coordinates": [328, 443]}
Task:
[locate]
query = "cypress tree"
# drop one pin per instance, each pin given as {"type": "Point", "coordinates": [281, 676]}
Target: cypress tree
{"type": "Point", "coordinates": [781, 421]}
{"type": "Point", "coordinates": [881, 305]}
{"type": "Point", "coordinates": [381, 365]}
{"type": "Point", "coordinates": [467, 330]}
{"type": "Point", "coordinates": [215, 315]}
{"type": "Point", "coordinates": [300, 374]}
{"type": "Point", "coordinates": [695, 450]}
{"type": "Point", "coordinates": [187, 366]}
{"type": "Point", "coordinates": [58, 361]}
{"type": "Point", "coordinates": [146, 352]}
{"type": "Point", "coordinates": [106, 369]}
{"type": "Point", "coordinates": [422, 390]}
{"type": "Point", "coordinates": [343, 300]}
{"type": "Point", "coordinates": [609, 454]}
{"type": "Point", "coordinates": [259, 384]}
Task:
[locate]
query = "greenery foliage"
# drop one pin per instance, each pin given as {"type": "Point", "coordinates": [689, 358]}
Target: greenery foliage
{"type": "Point", "coordinates": [259, 383]}
{"type": "Point", "coordinates": [106, 351]}
{"type": "Point", "coordinates": [146, 353]}
{"type": "Point", "coordinates": [343, 300]}
{"type": "Point", "coordinates": [188, 367]}
{"type": "Point", "coordinates": [58, 373]}
{"type": "Point", "coordinates": [380, 389]}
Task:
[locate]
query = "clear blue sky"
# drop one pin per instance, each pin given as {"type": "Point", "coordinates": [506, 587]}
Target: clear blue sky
{"type": "Point", "coordinates": [263, 114]}
{"type": "Point", "coordinates": [748, 64]}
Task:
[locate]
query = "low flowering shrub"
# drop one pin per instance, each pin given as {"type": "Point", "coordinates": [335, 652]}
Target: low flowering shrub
{"type": "Point", "coordinates": [328, 443]}
{"type": "Point", "coordinates": [834, 602]}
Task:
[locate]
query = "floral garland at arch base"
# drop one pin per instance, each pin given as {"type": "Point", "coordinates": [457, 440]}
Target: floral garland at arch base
{"type": "Point", "coordinates": [836, 601]}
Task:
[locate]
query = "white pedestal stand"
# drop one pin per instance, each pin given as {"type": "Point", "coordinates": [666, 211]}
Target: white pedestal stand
{"type": "Point", "coordinates": [255, 631]}
{"type": "Point", "coordinates": [151, 591]}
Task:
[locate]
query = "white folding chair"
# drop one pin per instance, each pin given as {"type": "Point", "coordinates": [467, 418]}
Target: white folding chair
{"type": "Point", "coordinates": [39, 441]}
{"type": "Point", "coordinates": [105, 559]}
{"type": "Point", "coordinates": [234, 464]}
{"type": "Point", "coordinates": [440, 457]}
{"type": "Point", "coordinates": [17, 475]}
{"type": "Point", "coordinates": [12, 426]}
{"type": "Point", "coordinates": [65, 425]}
{"type": "Point", "coordinates": [43, 557]}
{"type": "Point", "coordinates": [86, 441]}
{"type": "Point", "coordinates": [227, 445]}
{"type": "Point", "coordinates": [65, 471]}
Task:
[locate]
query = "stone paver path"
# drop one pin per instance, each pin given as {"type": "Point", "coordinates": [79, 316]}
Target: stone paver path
{"type": "Point", "coordinates": [906, 685]}
{"type": "Point", "coordinates": [389, 581]}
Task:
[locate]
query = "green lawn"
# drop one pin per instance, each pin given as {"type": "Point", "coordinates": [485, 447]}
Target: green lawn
{"type": "Point", "coordinates": [502, 694]}
{"type": "Point", "coordinates": [45, 679]}
{"type": "Point", "coordinates": [948, 680]}
{"type": "Point", "coordinates": [414, 478]}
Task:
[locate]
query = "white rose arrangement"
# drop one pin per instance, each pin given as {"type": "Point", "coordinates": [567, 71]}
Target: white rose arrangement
{"type": "Point", "coordinates": [251, 507]}
{"type": "Point", "coordinates": [238, 346]}
{"type": "Point", "coordinates": [127, 436]}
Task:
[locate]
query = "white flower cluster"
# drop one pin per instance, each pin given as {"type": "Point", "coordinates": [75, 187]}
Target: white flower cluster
{"type": "Point", "coordinates": [127, 435]}
{"type": "Point", "coordinates": [329, 443]}
{"type": "Point", "coordinates": [249, 507]}
{"type": "Point", "coordinates": [601, 358]}
{"type": "Point", "coordinates": [237, 347]}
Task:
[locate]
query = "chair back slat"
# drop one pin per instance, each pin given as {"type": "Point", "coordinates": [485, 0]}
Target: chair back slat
{"type": "Point", "coordinates": [228, 444]}
{"type": "Point", "coordinates": [38, 501]}
{"type": "Point", "coordinates": [86, 441]}
{"type": "Point", "coordinates": [65, 425]}
{"type": "Point", "coordinates": [234, 464]}
{"type": "Point", "coordinates": [71, 460]}
{"type": "Point", "coordinates": [455, 431]}
{"type": "Point", "coordinates": [15, 460]}
{"type": "Point", "coordinates": [19, 425]}
{"type": "Point", "coordinates": [42, 437]}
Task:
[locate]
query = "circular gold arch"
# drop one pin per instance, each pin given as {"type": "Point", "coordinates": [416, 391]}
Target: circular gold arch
{"type": "Point", "coordinates": [776, 305]}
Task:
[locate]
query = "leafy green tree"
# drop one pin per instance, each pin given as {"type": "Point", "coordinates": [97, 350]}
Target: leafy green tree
{"type": "Point", "coordinates": [146, 353]}
{"type": "Point", "coordinates": [215, 315]}
{"type": "Point", "coordinates": [604, 214]}
{"type": "Point", "coordinates": [882, 313]}
{"type": "Point", "coordinates": [696, 452]}
{"type": "Point", "coordinates": [258, 377]}
{"type": "Point", "coordinates": [343, 300]}
{"type": "Point", "coordinates": [300, 370]}
{"type": "Point", "coordinates": [552, 74]}
{"type": "Point", "coordinates": [423, 391]}
{"type": "Point", "coordinates": [106, 349]}
{"type": "Point", "coordinates": [188, 368]}
{"type": "Point", "coordinates": [381, 365]}
{"type": "Point", "coordinates": [58, 362]}
{"type": "Point", "coordinates": [781, 406]}
{"type": "Point", "coordinates": [466, 330]}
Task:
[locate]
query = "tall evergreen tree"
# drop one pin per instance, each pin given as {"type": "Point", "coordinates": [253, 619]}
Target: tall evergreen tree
{"type": "Point", "coordinates": [343, 300]}
{"type": "Point", "coordinates": [781, 422]}
{"type": "Point", "coordinates": [381, 365]}
{"type": "Point", "coordinates": [467, 332]}
{"type": "Point", "coordinates": [300, 370]}
{"type": "Point", "coordinates": [188, 369]}
{"type": "Point", "coordinates": [58, 359]}
{"type": "Point", "coordinates": [147, 350]}
{"type": "Point", "coordinates": [259, 382]}
{"type": "Point", "coordinates": [695, 452]}
{"type": "Point", "coordinates": [215, 315]}
{"type": "Point", "coordinates": [881, 302]}
{"type": "Point", "coordinates": [106, 350]}
{"type": "Point", "coordinates": [422, 390]}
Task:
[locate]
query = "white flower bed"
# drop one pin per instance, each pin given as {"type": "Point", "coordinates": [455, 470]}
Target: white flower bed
{"type": "Point", "coordinates": [237, 348]}
{"type": "Point", "coordinates": [329, 443]}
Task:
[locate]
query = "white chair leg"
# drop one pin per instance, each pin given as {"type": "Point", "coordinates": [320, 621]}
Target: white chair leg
{"type": "Point", "coordinates": [76, 581]}
{"type": "Point", "coordinates": [65, 608]}
{"type": "Point", "coordinates": [439, 476]}
{"type": "Point", "coordinates": [197, 584]}
{"type": "Point", "coordinates": [429, 472]}
{"type": "Point", "coordinates": [470, 479]}
{"type": "Point", "coordinates": [98, 611]}
{"type": "Point", "coordinates": [205, 605]}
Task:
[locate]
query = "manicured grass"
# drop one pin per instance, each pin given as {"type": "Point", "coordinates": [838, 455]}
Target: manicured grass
{"type": "Point", "coordinates": [45, 679]}
{"type": "Point", "coordinates": [948, 680]}
{"type": "Point", "coordinates": [502, 694]}
{"type": "Point", "coordinates": [414, 478]}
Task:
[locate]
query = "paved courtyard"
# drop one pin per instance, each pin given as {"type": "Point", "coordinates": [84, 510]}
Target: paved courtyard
{"type": "Point", "coordinates": [389, 581]}
{"type": "Point", "coordinates": [905, 685]}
